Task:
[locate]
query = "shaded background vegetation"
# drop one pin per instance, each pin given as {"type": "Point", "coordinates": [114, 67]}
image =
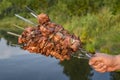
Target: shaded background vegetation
{"type": "Point", "coordinates": [96, 22]}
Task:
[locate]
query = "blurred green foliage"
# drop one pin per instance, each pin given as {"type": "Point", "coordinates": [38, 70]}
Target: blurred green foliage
{"type": "Point", "coordinates": [96, 22]}
{"type": "Point", "coordinates": [69, 7]}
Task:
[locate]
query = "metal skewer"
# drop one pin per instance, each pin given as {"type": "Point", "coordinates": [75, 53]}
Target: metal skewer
{"type": "Point", "coordinates": [18, 27]}
{"type": "Point", "coordinates": [14, 34]}
{"type": "Point", "coordinates": [33, 15]}
{"type": "Point", "coordinates": [24, 19]}
{"type": "Point", "coordinates": [31, 10]}
{"type": "Point", "coordinates": [80, 57]}
{"type": "Point", "coordinates": [16, 45]}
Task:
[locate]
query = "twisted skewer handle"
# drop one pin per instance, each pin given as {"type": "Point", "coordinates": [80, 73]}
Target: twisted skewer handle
{"type": "Point", "coordinates": [83, 54]}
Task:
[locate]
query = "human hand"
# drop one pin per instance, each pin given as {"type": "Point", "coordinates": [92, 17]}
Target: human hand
{"type": "Point", "coordinates": [104, 62]}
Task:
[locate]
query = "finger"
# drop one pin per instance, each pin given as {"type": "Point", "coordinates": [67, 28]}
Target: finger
{"type": "Point", "coordinates": [93, 60]}
{"type": "Point", "coordinates": [95, 64]}
{"type": "Point", "coordinates": [102, 69]}
{"type": "Point", "coordinates": [98, 65]}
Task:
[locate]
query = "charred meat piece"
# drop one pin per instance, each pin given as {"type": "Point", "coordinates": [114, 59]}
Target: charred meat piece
{"type": "Point", "coordinates": [43, 18]}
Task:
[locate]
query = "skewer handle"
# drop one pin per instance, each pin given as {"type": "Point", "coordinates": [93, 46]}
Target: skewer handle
{"type": "Point", "coordinates": [83, 54]}
{"type": "Point", "coordinates": [87, 54]}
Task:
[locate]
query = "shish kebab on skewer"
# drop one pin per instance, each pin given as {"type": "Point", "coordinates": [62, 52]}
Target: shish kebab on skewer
{"type": "Point", "coordinates": [48, 38]}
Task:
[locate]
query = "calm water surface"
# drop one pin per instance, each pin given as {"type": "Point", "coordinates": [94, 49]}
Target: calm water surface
{"type": "Point", "coordinates": [17, 64]}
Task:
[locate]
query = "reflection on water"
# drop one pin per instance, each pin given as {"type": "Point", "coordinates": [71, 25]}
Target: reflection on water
{"type": "Point", "coordinates": [17, 64]}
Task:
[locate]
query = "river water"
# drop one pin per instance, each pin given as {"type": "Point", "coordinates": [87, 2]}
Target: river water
{"type": "Point", "coordinates": [18, 64]}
